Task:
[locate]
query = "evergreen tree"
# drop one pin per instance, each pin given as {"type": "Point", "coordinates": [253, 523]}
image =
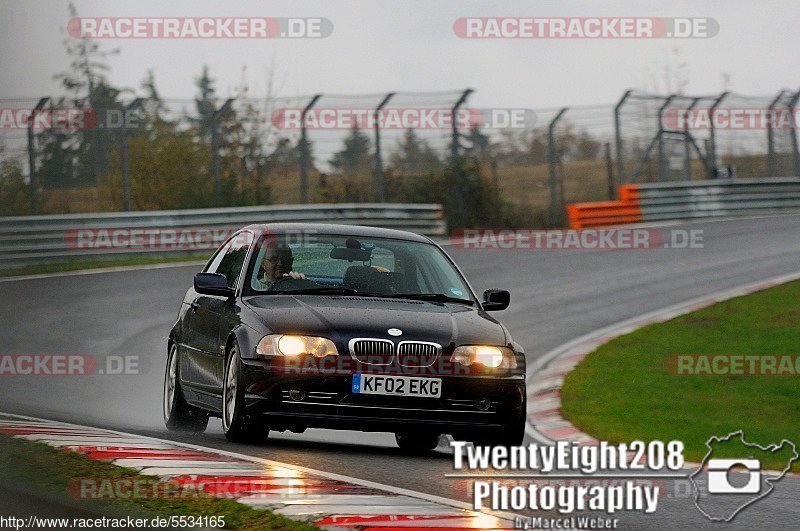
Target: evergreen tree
{"type": "Point", "coordinates": [80, 157]}
{"type": "Point", "coordinates": [205, 103]}
{"type": "Point", "coordinates": [356, 155]}
{"type": "Point", "coordinates": [477, 143]}
{"type": "Point", "coordinates": [414, 155]}
{"type": "Point", "coordinates": [153, 106]}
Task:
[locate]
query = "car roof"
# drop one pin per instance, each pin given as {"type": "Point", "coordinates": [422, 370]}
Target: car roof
{"type": "Point", "coordinates": [334, 229]}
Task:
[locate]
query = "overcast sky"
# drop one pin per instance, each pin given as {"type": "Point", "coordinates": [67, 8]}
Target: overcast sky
{"type": "Point", "coordinates": [386, 45]}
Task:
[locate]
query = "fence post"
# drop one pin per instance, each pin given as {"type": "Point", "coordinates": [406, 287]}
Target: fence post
{"type": "Point", "coordinates": [612, 189]}
{"type": "Point", "coordinates": [618, 137]}
{"type": "Point", "coordinates": [771, 135]}
{"type": "Point", "coordinates": [380, 181]}
{"type": "Point", "coordinates": [124, 156]}
{"type": "Point", "coordinates": [215, 171]}
{"type": "Point", "coordinates": [712, 136]}
{"type": "Point", "coordinates": [556, 188]}
{"type": "Point", "coordinates": [793, 131]}
{"type": "Point", "coordinates": [662, 174]}
{"type": "Point", "coordinates": [455, 145]}
{"type": "Point", "coordinates": [304, 150]}
{"type": "Point", "coordinates": [687, 142]}
{"type": "Point", "coordinates": [34, 184]}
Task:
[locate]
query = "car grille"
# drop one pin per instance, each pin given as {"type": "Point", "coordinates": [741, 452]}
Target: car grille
{"type": "Point", "coordinates": [381, 352]}
{"type": "Point", "coordinates": [372, 351]}
{"type": "Point", "coordinates": [417, 353]}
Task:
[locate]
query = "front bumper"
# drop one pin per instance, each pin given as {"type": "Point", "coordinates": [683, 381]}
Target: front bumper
{"type": "Point", "coordinates": [298, 401]}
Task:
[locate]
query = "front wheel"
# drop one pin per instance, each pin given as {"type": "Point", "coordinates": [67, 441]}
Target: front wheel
{"type": "Point", "coordinates": [416, 442]}
{"type": "Point", "coordinates": [178, 415]}
{"type": "Point", "coordinates": [234, 424]}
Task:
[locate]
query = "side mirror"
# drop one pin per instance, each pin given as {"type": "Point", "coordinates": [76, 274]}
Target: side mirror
{"type": "Point", "coordinates": [495, 300]}
{"type": "Point", "coordinates": [212, 284]}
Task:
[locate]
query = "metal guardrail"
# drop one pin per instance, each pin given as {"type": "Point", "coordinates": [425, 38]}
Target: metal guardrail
{"type": "Point", "coordinates": [701, 199]}
{"type": "Point", "coordinates": [687, 200]}
{"type": "Point", "coordinates": [35, 239]}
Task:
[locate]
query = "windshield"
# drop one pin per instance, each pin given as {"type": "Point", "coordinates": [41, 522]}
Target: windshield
{"type": "Point", "coordinates": [353, 265]}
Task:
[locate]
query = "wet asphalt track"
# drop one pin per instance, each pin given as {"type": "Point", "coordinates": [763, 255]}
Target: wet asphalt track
{"type": "Point", "coordinates": [556, 296]}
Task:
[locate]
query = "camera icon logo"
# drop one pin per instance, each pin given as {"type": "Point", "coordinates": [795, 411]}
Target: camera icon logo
{"type": "Point", "coordinates": [725, 486]}
{"type": "Point", "coordinates": [719, 482]}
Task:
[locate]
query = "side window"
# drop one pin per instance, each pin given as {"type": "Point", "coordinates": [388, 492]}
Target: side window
{"type": "Point", "coordinates": [232, 259]}
{"type": "Point", "coordinates": [213, 265]}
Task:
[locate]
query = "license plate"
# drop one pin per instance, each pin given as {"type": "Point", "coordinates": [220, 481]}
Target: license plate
{"type": "Point", "coordinates": [378, 384]}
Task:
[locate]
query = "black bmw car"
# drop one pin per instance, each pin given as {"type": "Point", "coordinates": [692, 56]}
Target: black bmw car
{"type": "Point", "coordinates": [295, 326]}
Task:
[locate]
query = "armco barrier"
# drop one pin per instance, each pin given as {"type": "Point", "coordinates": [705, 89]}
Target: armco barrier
{"type": "Point", "coordinates": [687, 200]}
{"type": "Point", "coordinates": [36, 239]}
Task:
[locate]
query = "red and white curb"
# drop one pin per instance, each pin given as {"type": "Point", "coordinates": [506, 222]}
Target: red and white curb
{"type": "Point", "coordinates": [330, 501]}
{"type": "Point", "coordinates": [545, 423]}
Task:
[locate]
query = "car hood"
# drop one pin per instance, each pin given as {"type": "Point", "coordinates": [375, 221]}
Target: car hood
{"type": "Point", "coordinates": [342, 318]}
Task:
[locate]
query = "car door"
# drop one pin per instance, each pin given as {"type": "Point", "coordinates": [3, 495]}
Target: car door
{"type": "Point", "coordinates": [198, 360]}
{"type": "Point", "coordinates": [219, 314]}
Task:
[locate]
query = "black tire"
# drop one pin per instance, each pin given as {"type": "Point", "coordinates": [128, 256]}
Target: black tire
{"type": "Point", "coordinates": [416, 442]}
{"type": "Point", "coordinates": [236, 428]}
{"type": "Point", "coordinates": [178, 415]}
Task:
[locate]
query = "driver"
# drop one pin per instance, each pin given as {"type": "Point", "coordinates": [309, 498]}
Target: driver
{"type": "Point", "coordinates": [276, 264]}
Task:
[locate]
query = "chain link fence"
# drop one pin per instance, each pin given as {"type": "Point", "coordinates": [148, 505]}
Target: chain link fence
{"type": "Point", "coordinates": [501, 166]}
{"type": "Point", "coordinates": [678, 137]}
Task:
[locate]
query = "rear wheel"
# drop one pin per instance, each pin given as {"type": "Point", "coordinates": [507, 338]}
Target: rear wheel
{"type": "Point", "coordinates": [178, 415]}
{"type": "Point", "coordinates": [234, 424]}
{"type": "Point", "coordinates": [416, 442]}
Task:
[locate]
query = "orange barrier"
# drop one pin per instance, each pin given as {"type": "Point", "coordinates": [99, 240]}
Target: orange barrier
{"type": "Point", "coordinates": [629, 192]}
{"type": "Point", "coordinates": [602, 213]}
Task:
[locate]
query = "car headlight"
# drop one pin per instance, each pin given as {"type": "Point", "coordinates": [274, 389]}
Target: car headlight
{"type": "Point", "coordinates": [291, 346]}
{"type": "Point", "coordinates": [491, 357]}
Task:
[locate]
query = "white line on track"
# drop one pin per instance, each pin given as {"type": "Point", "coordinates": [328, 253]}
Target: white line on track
{"type": "Point", "coordinates": [328, 475]}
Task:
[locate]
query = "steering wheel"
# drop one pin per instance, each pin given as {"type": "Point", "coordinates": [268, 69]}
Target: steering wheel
{"type": "Point", "coordinates": [284, 281]}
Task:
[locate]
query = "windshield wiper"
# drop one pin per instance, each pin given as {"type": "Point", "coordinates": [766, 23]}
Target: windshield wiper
{"type": "Point", "coordinates": [322, 290]}
{"type": "Point", "coordinates": [433, 297]}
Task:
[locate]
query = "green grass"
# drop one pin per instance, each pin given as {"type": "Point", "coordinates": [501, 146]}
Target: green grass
{"type": "Point", "coordinates": [623, 391]}
{"type": "Point", "coordinates": [58, 267]}
{"type": "Point", "coordinates": [45, 471]}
